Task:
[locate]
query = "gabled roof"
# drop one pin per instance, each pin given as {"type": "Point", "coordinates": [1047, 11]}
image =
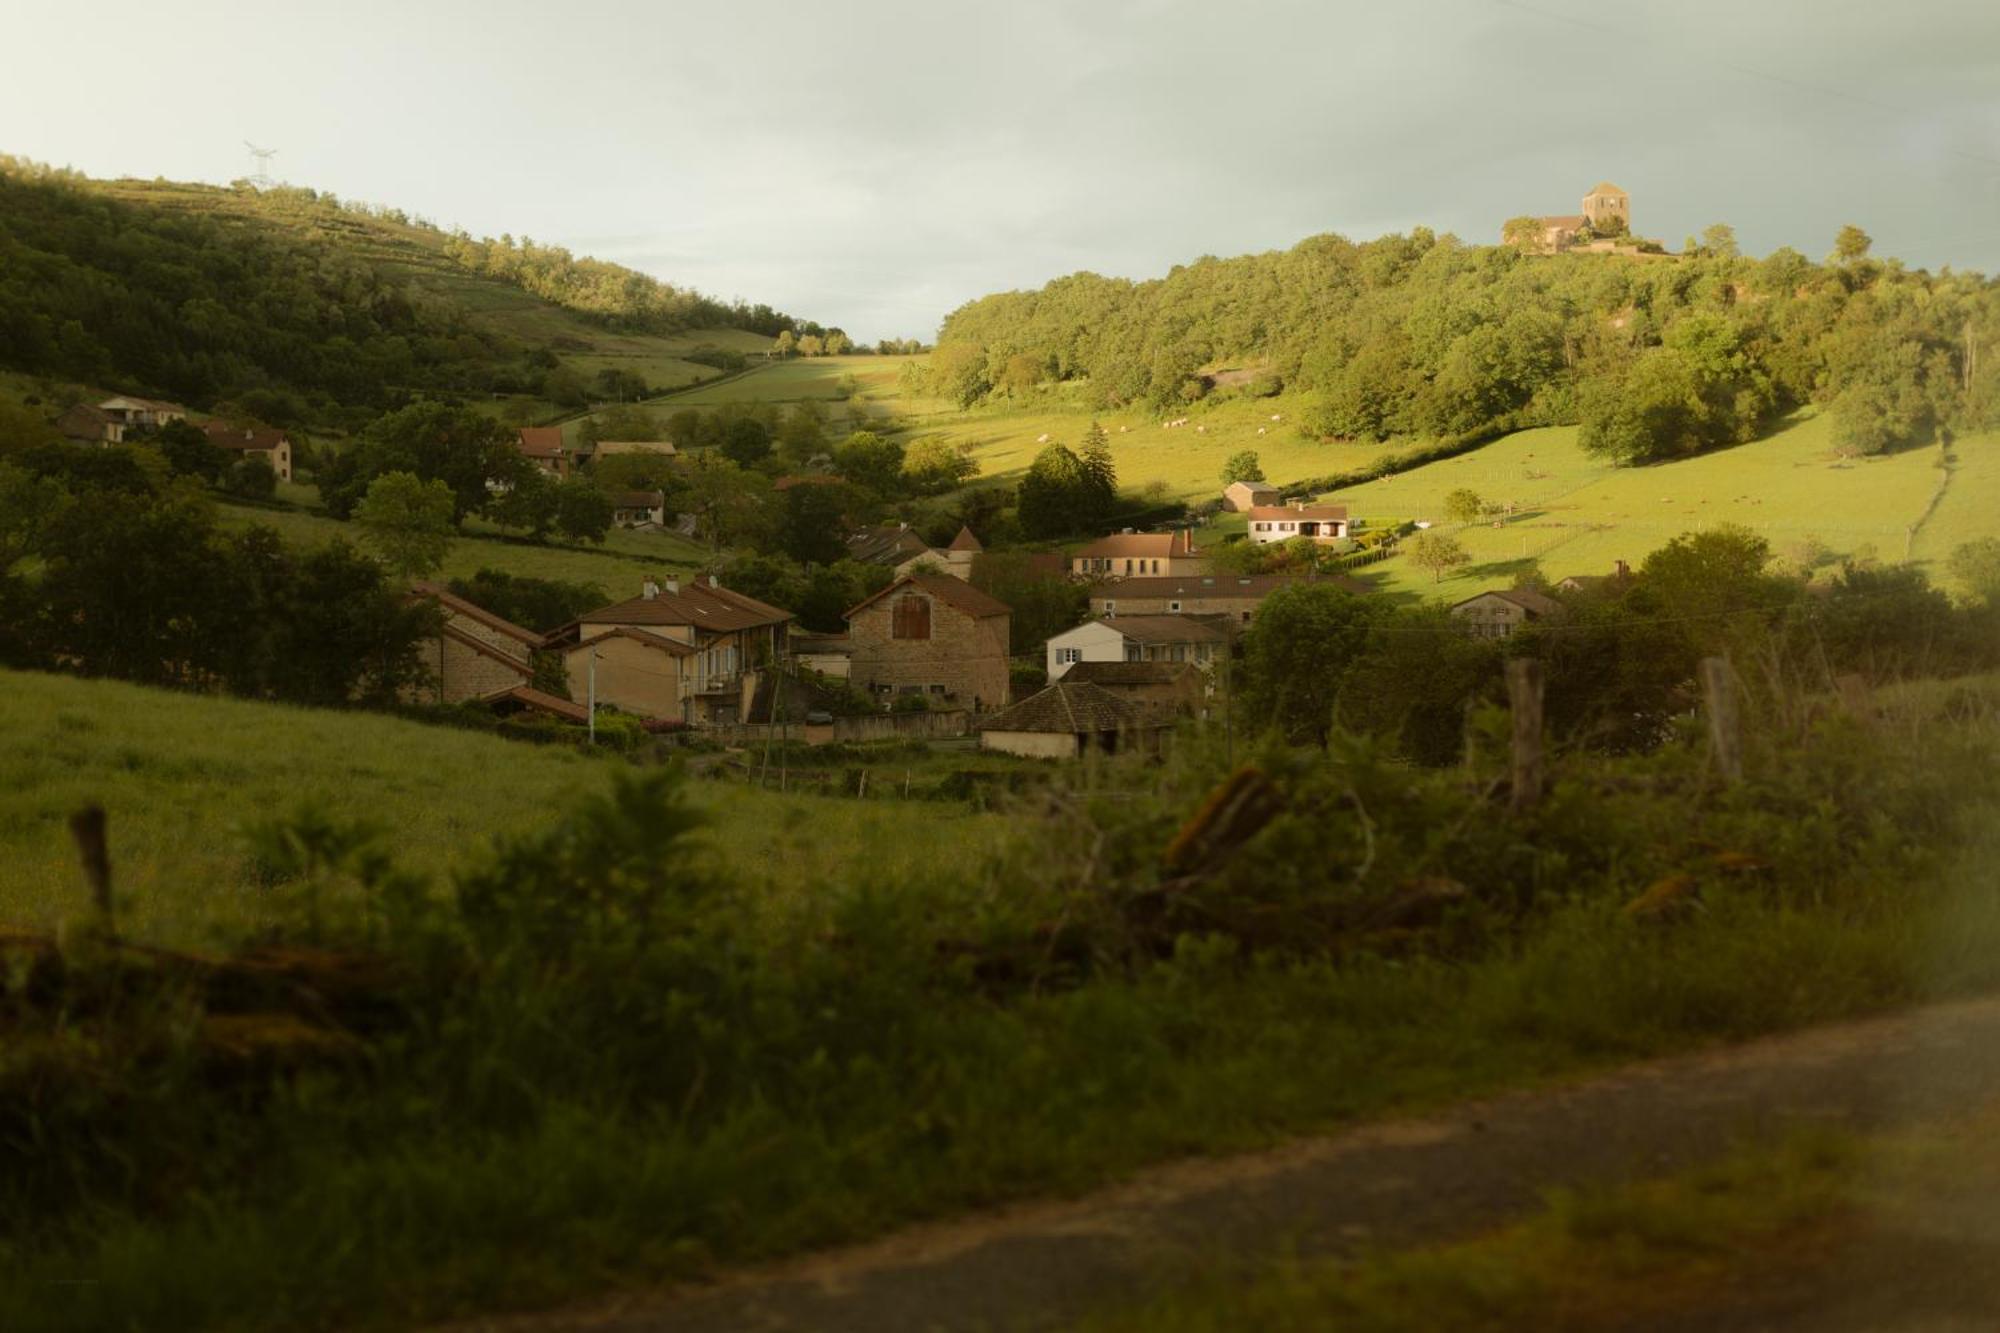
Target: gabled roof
{"type": "Point", "coordinates": [1254, 487]}
{"type": "Point", "coordinates": [1229, 587]}
{"type": "Point", "coordinates": [1130, 673]}
{"type": "Point", "coordinates": [1566, 221]}
{"type": "Point", "coordinates": [128, 402]}
{"type": "Point", "coordinates": [1072, 709]}
{"type": "Point", "coordinates": [1321, 512]}
{"type": "Point", "coordinates": [636, 447]}
{"type": "Point", "coordinates": [673, 647]}
{"type": "Point", "coordinates": [84, 422]}
{"type": "Point", "coordinates": [1165, 629]}
{"type": "Point", "coordinates": [965, 541]}
{"type": "Point", "coordinates": [886, 545]}
{"type": "Point", "coordinates": [1161, 544]}
{"type": "Point", "coordinates": [486, 650]}
{"type": "Point", "coordinates": [698, 603]}
{"type": "Point", "coordinates": [639, 499]}
{"type": "Point", "coordinates": [247, 439]}
{"type": "Point", "coordinates": [539, 700]}
{"type": "Point", "coordinates": [541, 442]}
{"type": "Point", "coordinates": [1534, 603]}
{"type": "Point", "coordinates": [953, 592]}
{"type": "Point", "coordinates": [457, 605]}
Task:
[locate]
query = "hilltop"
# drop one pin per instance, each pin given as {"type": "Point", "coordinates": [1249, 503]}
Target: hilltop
{"type": "Point", "coordinates": [309, 308]}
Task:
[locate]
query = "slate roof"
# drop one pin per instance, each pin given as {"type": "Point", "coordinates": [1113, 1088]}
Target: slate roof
{"type": "Point", "coordinates": [1534, 603]}
{"type": "Point", "coordinates": [953, 592]}
{"type": "Point", "coordinates": [886, 545]}
{"type": "Point", "coordinates": [1072, 709]}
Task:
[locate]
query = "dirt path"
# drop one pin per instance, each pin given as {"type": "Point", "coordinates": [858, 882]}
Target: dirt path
{"type": "Point", "coordinates": [1397, 1183]}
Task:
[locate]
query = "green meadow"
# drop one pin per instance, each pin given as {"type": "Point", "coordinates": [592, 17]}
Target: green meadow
{"type": "Point", "coordinates": [181, 777]}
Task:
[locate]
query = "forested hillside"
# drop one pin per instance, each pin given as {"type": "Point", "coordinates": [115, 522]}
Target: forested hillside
{"type": "Point", "coordinates": [302, 302]}
{"type": "Point", "coordinates": [1425, 335]}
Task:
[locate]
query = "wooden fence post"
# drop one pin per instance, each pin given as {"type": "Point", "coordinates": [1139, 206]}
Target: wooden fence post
{"type": "Point", "coordinates": [1725, 726]}
{"type": "Point", "coordinates": [1524, 696]}
{"type": "Point", "coordinates": [87, 827]}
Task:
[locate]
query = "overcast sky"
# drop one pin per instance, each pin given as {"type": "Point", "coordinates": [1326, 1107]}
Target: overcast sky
{"type": "Point", "coordinates": [873, 165]}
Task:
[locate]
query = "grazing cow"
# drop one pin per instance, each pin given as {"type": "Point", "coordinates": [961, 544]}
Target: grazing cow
{"type": "Point", "coordinates": [1260, 430]}
{"type": "Point", "coordinates": [1277, 416]}
{"type": "Point", "coordinates": [1043, 438]}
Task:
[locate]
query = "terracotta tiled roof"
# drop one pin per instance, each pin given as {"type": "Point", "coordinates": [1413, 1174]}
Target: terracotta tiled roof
{"type": "Point", "coordinates": [1567, 221]}
{"type": "Point", "coordinates": [1129, 673]}
{"type": "Point", "coordinates": [639, 499]}
{"type": "Point", "coordinates": [1165, 629]}
{"type": "Point", "coordinates": [965, 541]}
{"type": "Point", "coordinates": [1243, 587]}
{"type": "Point", "coordinates": [1119, 544]}
{"type": "Point", "coordinates": [1319, 512]}
{"type": "Point", "coordinates": [1534, 603]}
{"type": "Point", "coordinates": [1063, 708]}
{"type": "Point", "coordinates": [953, 592]}
{"type": "Point", "coordinates": [457, 605]}
{"type": "Point", "coordinates": [84, 422]}
{"type": "Point", "coordinates": [243, 438]}
{"type": "Point", "coordinates": [673, 647]}
{"type": "Point", "coordinates": [539, 700]}
{"type": "Point", "coordinates": [541, 441]}
{"type": "Point", "coordinates": [697, 604]}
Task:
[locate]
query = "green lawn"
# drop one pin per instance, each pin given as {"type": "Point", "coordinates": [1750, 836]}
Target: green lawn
{"type": "Point", "coordinates": [180, 776]}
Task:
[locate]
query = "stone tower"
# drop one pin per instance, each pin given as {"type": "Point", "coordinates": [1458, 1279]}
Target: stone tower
{"type": "Point", "coordinates": [1608, 208]}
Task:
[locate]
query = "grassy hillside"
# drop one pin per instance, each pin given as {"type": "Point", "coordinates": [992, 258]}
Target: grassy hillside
{"type": "Point", "coordinates": [207, 293]}
{"type": "Point", "coordinates": [181, 775]}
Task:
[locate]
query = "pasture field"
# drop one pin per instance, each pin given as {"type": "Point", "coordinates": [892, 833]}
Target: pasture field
{"type": "Point", "coordinates": [180, 776]}
{"type": "Point", "coordinates": [617, 566]}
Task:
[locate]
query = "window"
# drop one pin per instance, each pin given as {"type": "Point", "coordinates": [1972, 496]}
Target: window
{"type": "Point", "coordinates": [1173, 606]}
{"type": "Point", "coordinates": [937, 689]}
{"type": "Point", "coordinates": [912, 617]}
{"type": "Point", "coordinates": [1110, 609]}
{"type": "Point", "coordinates": [1068, 655]}
{"type": "Point", "coordinates": [1133, 653]}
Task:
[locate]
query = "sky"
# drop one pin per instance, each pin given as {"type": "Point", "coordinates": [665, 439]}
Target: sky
{"type": "Point", "coordinates": [875, 165]}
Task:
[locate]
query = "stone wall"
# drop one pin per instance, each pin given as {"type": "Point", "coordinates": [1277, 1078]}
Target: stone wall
{"type": "Point", "coordinates": [967, 655]}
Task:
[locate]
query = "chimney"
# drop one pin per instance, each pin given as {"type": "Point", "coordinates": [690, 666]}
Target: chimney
{"type": "Point", "coordinates": [649, 590]}
{"type": "Point", "coordinates": [673, 586]}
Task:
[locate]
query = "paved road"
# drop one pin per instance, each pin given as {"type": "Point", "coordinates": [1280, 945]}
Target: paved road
{"type": "Point", "coordinates": [1397, 1183]}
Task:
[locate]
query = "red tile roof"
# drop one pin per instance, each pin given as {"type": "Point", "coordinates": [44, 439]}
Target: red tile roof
{"type": "Point", "coordinates": [1165, 629]}
{"type": "Point", "coordinates": [457, 605]}
{"type": "Point", "coordinates": [244, 438]}
{"type": "Point", "coordinates": [673, 647]}
{"type": "Point", "coordinates": [1320, 512]}
{"type": "Point", "coordinates": [1224, 587]}
{"type": "Point", "coordinates": [698, 603]}
{"type": "Point", "coordinates": [541, 441]}
{"type": "Point", "coordinates": [965, 541]}
{"type": "Point", "coordinates": [953, 592]}
{"type": "Point", "coordinates": [1163, 544]}
{"type": "Point", "coordinates": [539, 700]}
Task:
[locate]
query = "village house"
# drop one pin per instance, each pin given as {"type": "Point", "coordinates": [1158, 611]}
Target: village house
{"type": "Point", "coordinates": [934, 635]}
{"type": "Point", "coordinates": [1496, 614]}
{"type": "Point", "coordinates": [527, 699]}
{"type": "Point", "coordinates": [1189, 639]}
{"type": "Point", "coordinates": [273, 446]}
{"type": "Point", "coordinates": [830, 655]}
{"type": "Point", "coordinates": [91, 425]}
{"type": "Point", "coordinates": [895, 545]}
{"type": "Point", "coordinates": [543, 446]}
{"type": "Point", "coordinates": [1168, 687]}
{"type": "Point", "coordinates": [141, 413]}
{"type": "Point", "coordinates": [1128, 553]}
{"type": "Point", "coordinates": [639, 509]}
{"type": "Point", "coordinates": [1615, 581]}
{"type": "Point", "coordinates": [676, 651]}
{"type": "Point", "coordinates": [1280, 523]}
{"type": "Point", "coordinates": [1240, 497]}
{"type": "Point", "coordinates": [1235, 597]}
{"type": "Point", "coordinates": [1067, 720]}
{"type": "Point", "coordinates": [475, 654]}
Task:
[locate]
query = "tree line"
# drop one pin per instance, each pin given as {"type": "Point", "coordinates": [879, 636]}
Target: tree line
{"type": "Point", "coordinates": [1424, 335]}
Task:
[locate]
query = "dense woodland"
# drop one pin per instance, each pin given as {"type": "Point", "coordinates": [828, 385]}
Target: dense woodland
{"type": "Point", "coordinates": [275, 299]}
{"type": "Point", "coordinates": [1424, 335]}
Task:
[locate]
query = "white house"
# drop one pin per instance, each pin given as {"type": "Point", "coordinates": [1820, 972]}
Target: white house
{"type": "Point", "coordinates": [1281, 523]}
{"type": "Point", "coordinates": [146, 413]}
{"type": "Point", "coordinates": [1137, 639]}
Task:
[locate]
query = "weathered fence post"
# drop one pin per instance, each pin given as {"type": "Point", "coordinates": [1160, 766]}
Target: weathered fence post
{"type": "Point", "coordinates": [1725, 726]}
{"type": "Point", "coordinates": [87, 827]}
{"type": "Point", "coordinates": [1524, 696]}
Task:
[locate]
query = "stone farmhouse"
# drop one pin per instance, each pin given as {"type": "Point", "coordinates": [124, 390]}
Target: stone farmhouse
{"type": "Point", "coordinates": [1496, 614]}
{"type": "Point", "coordinates": [543, 446]}
{"type": "Point", "coordinates": [1175, 687]}
{"type": "Point", "coordinates": [639, 509]}
{"type": "Point", "coordinates": [88, 424]}
{"type": "Point", "coordinates": [675, 652]}
{"type": "Point", "coordinates": [1322, 524]}
{"type": "Point", "coordinates": [934, 635]}
{"type": "Point", "coordinates": [1239, 497]}
{"type": "Point", "coordinates": [141, 413]}
{"type": "Point", "coordinates": [1068, 720]}
{"type": "Point", "coordinates": [899, 547]}
{"type": "Point", "coordinates": [273, 446]}
{"type": "Point", "coordinates": [1189, 639]}
{"type": "Point", "coordinates": [475, 654]}
{"type": "Point", "coordinates": [1129, 553]}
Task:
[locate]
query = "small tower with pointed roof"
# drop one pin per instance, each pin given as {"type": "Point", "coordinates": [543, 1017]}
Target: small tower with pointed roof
{"type": "Point", "coordinates": [959, 555]}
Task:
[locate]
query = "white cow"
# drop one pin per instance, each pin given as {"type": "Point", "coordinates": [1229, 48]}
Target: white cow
{"type": "Point", "coordinates": [1043, 438]}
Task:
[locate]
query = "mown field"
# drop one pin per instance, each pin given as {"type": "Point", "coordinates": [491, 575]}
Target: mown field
{"type": "Point", "coordinates": [181, 776]}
